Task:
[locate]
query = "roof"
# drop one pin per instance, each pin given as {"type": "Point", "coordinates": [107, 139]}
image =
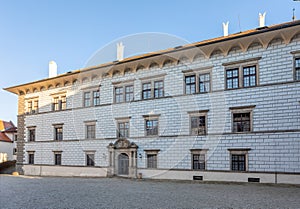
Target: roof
{"type": "Point", "coordinates": [203, 43]}
{"type": "Point", "coordinates": [7, 126]}
{"type": "Point", "coordinates": [4, 137]}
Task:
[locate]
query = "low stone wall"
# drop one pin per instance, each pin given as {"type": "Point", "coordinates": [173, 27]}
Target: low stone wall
{"type": "Point", "coordinates": [273, 178]}
{"type": "Point", "coordinates": [44, 170]}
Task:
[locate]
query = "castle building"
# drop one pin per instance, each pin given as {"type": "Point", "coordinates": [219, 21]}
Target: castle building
{"type": "Point", "coordinates": [224, 109]}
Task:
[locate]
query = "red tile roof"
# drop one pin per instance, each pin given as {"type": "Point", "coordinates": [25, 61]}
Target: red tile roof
{"type": "Point", "coordinates": [4, 138]}
{"type": "Point", "coordinates": [7, 126]}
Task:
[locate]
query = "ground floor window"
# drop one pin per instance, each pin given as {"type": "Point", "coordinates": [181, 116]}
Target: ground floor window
{"type": "Point", "coordinates": [151, 158]}
{"type": "Point", "coordinates": [198, 161]}
{"type": "Point", "coordinates": [239, 159]}
{"type": "Point", "coordinates": [57, 158]}
{"type": "Point", "coordinates": [90, 159]}
{"type": "Point", "coordinates": [30, 158]}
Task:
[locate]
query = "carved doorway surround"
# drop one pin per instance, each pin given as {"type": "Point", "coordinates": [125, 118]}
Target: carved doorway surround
{"type": "Point", "coordinates": [122, 158]}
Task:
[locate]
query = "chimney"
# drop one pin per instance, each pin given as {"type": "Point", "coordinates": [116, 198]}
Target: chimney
{"type": "Point", "coordinates": [262, 19]}
{"type": "Point", "coordinates": [225, 28]}
{"type": "Point", "coordinates": [52, 69]}
{"type": "Point", "coordinates": [120, 51]}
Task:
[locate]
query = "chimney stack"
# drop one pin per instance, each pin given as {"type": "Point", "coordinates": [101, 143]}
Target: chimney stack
{"type": "Point", "coordinates": [225, 28]}
{"type": "Point", "coordinates": [52, 69]}
{"type": "Point", "coordinates": [120, 51]}
{"type": "Point", "coordinates": [262, 19]}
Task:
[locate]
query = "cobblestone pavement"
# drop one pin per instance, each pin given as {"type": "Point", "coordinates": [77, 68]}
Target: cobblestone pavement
{"type": "Point", "coordinates": [46, 192]}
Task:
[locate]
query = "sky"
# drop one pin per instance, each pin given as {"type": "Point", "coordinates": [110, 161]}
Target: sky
{"type": "Point", "coordinates": [70, 32]}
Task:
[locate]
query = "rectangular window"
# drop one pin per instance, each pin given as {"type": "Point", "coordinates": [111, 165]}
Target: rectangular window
{"type": "Point", "coordinates": [30, 158]}
{"type": "Point", "coordinates": [249, 74]}
{"type": "Point", "coordinates": [128, 93]}
{"type": "Point", "coordinates": [158, 89]}
{"type": "Point", "coordinates": [198, 125]}
{"type": "Point", "coordinates": [297, 69]}
{"type": "Point", "coordinates": [123, 129]}
{"type": "Point", "coordinates": [90, 159]}
{"type": "Point", "coordinates": [204, 83]}
{"type": "Point", "coordinates": [238, 162]}
{"type": "Point", "coordinates": [232, 78]}
{"type": "Point", "coordinates": [151, 160]}
{"type": "Point", "coordinates": [29, 107]}
{"type": "Point", "coordinates": [96, 98]}
{"type": "Point", "coordinates": [241, 122]}
{"type": "Point", "coordinates": [57, 158]}
{"type": "Point", "coordinates": [58, 133]}
{"type": "Point", "coordinates": [190, 84]}
{"type": "Point", "coordinates": [55, 103]}
{"type": "Point", "coordinates": [118, 94]}
{"type": "Point", "coordinates": [198, 161]}
{"type": "Point", "coordinates": [146, 90]}
{"type": "Point", "coordinates": [90, 131]}
{"type": "Point", "coordinates": [35, 106]}
{"type": "Point", "coordinates": [87, 99]}
{"type": "Point", "coordinates": [31, 134]}
{"type": "Point", "coordinates": [152, 127]}
{"type": "Point", "coordinates": [63, 102]}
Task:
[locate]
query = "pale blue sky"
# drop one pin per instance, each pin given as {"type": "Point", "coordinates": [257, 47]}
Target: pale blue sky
{"type": "Point", "coordinates": [33, 32]}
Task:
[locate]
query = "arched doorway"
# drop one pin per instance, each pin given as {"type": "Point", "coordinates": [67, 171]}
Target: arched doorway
{"type": "Point", "coordinates": [123, 164]}
{"type": "Point", "coordinates": [122, 158]}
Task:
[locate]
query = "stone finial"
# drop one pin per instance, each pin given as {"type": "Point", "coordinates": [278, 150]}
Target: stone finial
{"type": "Point", "coordinates": [225, 28]}
{"type": "Point", "coordinates": [120, 51]}
{"type": "Point", "coordinates": [262, 19]}
{"type": "Point", "coordinates": [52, 69]}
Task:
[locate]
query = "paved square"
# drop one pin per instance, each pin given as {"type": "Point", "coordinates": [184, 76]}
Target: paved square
{"type": "Point", "coordinates": [46, 192]}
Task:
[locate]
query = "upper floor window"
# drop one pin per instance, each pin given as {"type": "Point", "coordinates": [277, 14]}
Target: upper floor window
{"type": "Point", "coordinates": [146, 90]}
{"type": "Point", "coordinates": [123, 129]}
{"type": "Point", "coordinates": [198, 122]}
{"type": "Point", "coordinates": [58, 132]}
{"type": "Point", "coordinates": [197, 81]}
{"type": "Point", "coordinates": [151, 125]}
{"type": "Point", "coordinates": [91, 131]}
{"type": "Point", "coordinates": [241, 74]}
{"type": "Point", "coordinates": [242, 119]}
{"type": "Point", "coordinates": [91, 98]}
{"type": "Point", "coordinates": [158, 89]}
{"type": "Point", "coordinates": [31, 134]}
{"type": "Point", "coordinates": [297, 68]}
{"type": "Point", "coordinates": [32, 106]}
{"type": "Point", "coordinates": [59, 103]}
{"type": "Point", "coordinates": [124, 93]}
{"type": "Point", "coordinates": [153, 89]}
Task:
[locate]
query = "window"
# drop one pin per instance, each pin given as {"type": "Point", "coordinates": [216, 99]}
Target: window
{"type": "Point", "coordinates": [90, 159]}
{"type": "Point", "coordinates": [158, 89]}
{"type": "Point", "coordinates": [297, 68]}
{"type": "Point", "coordinates": [91, 131]}
{"type": "Point", "coordinates": [57, 158]}
{"type": "Point", "coordinates": [198, 162]}
{"type": "Point", "coordinates": [96, 98]}
{"type": "Point", "coordinates": [232, 78]}
{"type": "Point", "coordinates": [146, 90]}
{"type": "Point", "coordinates": [59, 103]}
{"type": "Point", "coordinates": [151, 158]}
{"type": "Point", "coordinates": [87, 99]}
{"type": "Point", "coordinates": [31, 134]}
{"type": "Point", "coordinates": [241, 122]}
{"type": "Point", "coordinates": [118, 94]}
{"type": "Point", "coordinates": [58, 133]}
{"type": "Point", "coordinates": [242, 118]}
{"type": "Point", "coordinates": [31, 158]}
{"type": "Point", "coordinates": [239, 159]}
{"type": "Point", "coordinates": [32, 106]}
{"type": "Point", "coordinates": [198, 122]}
{"type": "Point", "coordinates": [198, 159]}
{"type": "Point", "coordinates": [249, 74]}
{"type": "Point", "coordinates": [129, 93]}
{"type": "Point", "coordinates": [190, 84]}
{"type": "Point", "coordinates": [151, 127]}
{"type": "Point", "coordinates": [123, 129]}
{"type": "Point", "coordinates": [241, 74]}
{"type": "Point", "coordinates": [204, 83]}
